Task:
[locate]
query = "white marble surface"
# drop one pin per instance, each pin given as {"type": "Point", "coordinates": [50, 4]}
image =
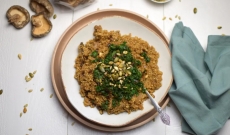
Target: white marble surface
{"type": "Point", "coordinates": [45, 115]}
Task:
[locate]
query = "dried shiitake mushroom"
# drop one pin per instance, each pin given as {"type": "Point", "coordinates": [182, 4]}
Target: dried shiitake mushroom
{"type": "Point", "coordinates": [18, 16]}
{"type": "Point", "coordinates": [41, 25]}
{"type": "Point", "coordinates": [39, 6]}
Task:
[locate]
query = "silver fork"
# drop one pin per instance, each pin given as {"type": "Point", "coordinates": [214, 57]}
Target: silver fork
{"type": "Point", "coordinates": [164, 117]}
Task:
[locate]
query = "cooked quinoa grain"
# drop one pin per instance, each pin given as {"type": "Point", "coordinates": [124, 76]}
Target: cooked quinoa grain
{"type": "Point", "coordinates": [90, 57]}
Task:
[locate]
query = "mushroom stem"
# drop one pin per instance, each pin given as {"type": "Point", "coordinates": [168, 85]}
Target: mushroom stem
{"type": "Point", "coordinates": [14, 18]}
{"type": "Point", "coordinates": [36, 22]}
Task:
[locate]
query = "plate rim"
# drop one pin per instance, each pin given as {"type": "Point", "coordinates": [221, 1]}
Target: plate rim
{"type": "Point", "coordinates": [69, 95]}
{"type": "Point", "coordinates": [104, 11]}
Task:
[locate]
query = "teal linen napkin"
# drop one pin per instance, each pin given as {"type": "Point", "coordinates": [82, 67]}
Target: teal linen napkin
{"type": "Point", "coordinates": [201, 80]}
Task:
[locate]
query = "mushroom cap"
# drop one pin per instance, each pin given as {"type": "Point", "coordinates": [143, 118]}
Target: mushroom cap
{"type": "Point", "coordinates": [41, 25]}
{"type": "Point", "coordinates": [39, 6]}
{"type": "Point", "coordinates": [18, 16]}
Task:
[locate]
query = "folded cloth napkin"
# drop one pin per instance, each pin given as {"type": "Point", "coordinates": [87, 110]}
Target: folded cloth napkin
{"type": "Point", "coordinates": [201, 87]}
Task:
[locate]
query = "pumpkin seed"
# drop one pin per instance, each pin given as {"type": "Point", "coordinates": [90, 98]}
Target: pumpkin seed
{"type": "Point", "coordinates": [31, 75]}
{"type": "Point", "coordinates": [27, 79]}
{"type": "Point", "coordinates": [31, 39]}
{"type": "Point", "coordinates": [110, 63]}
{"type": "Point", "coordinates": [219, 27]}
{"type": "Point", "coordinates": [116, 59]}
{"type": "Point", "coordinates": [179, 17]}
{"type": "Point", "coordinates": [223, 34]}
{"type": "Point", "coordinates": [147, 16]}
{"type": "Point", "coordinates": [19, 56]}
{"type": "Point", "coordinates": [110, 4]}
{"type": "Point", "coordinates": [51, 95]}
{"type": "Point", "coordinates": [170, 18]}
{"type": "Point", "coordinates": [35, 72]}
{"type": "Point", "coordinates": [176, 16]}
{"type": "Point", "coordinates": [26, 105]}
{"type": "Point", "coordinates": [163, 18]}
{"type": "Point", "coordinates": [195, 10]}
{"type": "Point", "coordinates": [125, 52]}
{"type": "Point", "coordinates": [168, 105]}
{"type": "Point", "coordinates": [41, 89]}
{"type": "Point", "coordinates": [102, 68]}
{"type": "Point", "coordinates": [30, 129]}
{"type": "Point", "coordinates": [20, 114]}
{"type": "Point", "coordinates": [30, 90]}
{"type": "Point", "coordinates": [73, 123]}
{"type": "Point", "coordinates": [98, 9]}
{"type": "Point", "coordinates": [1, 91]}
{"type": "Point", "coordinates": [54, 16]}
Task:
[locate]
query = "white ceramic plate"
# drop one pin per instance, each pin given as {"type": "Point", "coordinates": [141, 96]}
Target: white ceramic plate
{"type": "Point", "coordinates": [125, 26]}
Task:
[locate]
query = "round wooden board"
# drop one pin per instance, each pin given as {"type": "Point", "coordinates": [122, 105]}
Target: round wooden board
{"type": "Point", "coordinates": [56, 64]}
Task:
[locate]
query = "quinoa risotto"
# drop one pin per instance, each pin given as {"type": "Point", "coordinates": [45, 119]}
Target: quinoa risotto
{"type": "Point", "coordinates": [114, 70]}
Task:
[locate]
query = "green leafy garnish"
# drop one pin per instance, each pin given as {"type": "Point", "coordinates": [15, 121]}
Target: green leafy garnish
{"type": "Point", "coordinates": [94, 54]}
{"type": "Point", "coordinates": [146, 57]}
{"type": "Point", "coordinates": [118, 75]}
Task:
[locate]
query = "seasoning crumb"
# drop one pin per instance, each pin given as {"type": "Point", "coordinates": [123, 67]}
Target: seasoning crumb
{"type": "Point", "coordinates": [1, 91]}
{"type": "Point", "coordinates": [153, 119]}
{"type": "Point", "coordinates": [30, 129]}
{"type": "Point", "coordinates": [110, 4]}
{"type": "Point", "coordinates": [219, 27]}
{"type": "Point", "coordinates": [51, 95]}
{"type": "Point", "coordinates": [20, 114]}
{"type": "Point", "coordinates": [168, 105]}
{"type": "Point", "coordinates": [35, 72]}
{"type": "Point", "coordinates": [179, 17]}
{"type": "Point", "coordinates": [164, 18]}
{"type": "Point", "coordinates": [31, 39]}
{"type": "Point", "coordinates": [223, 34]}
{"type": "Point", "coordinates": [176, 16]}
{"type": "Point", "coordinates": [19, 56]}
{"type": "Point", "coordinates": [98, 9]}
{"type": "Point", "coordinates": [41, 89]}
{"type": "Point", "coordinates": [24, 110]}
{"type": "Point", "coordinates": [26, 105]}
{"type": "Point", "coordinates": [30, 90]}
{"type": "Point", "coordinates": [195, 10]}
{"type": "Point", "coordinates": [147, 16]}
{"type": "Point", "coordinates": [179, 0]}
{"type": "Point", "coordinates": [73, 123]}
{"type": "Point", "coordinates": [54, 16]}
{"type": "Point", "coordinates": [170, 18]}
